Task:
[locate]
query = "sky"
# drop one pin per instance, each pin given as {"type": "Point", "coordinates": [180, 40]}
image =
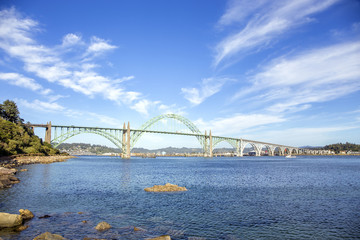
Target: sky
{"type": "Point", "coordinates": [285, 71]}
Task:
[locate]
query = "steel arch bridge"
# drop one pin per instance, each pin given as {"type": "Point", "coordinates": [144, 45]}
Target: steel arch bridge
{"type": "Point", "coordinates": [126, 138]}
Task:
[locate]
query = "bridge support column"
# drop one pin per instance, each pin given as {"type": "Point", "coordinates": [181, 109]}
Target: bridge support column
{"type": "Point", "coordinates": [205, 148]}
{"type": "Point", "coordinates": [123, 143]}
{"type": "Point", "coordinates": [128, 142]}
{"type": "Point", "coordinates": [240, 148]}
{"type": "Point", "coordinates": [257, 150]}
{"type": "Point", "coordinates": [48, 132]}
{"type": "Point", "coordinates": [210, 145]}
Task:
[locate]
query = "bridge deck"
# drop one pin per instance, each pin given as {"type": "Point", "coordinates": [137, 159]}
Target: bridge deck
{"type": "Point", "coordinates": [162, 132]}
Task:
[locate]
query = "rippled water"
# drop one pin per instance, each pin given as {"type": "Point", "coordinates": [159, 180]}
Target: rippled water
{"type": "Point", "coordinates": [227, 198]}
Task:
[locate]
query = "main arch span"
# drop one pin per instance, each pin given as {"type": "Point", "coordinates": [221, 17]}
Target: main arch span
{"type": "Point", "coordinates": [126, 138]}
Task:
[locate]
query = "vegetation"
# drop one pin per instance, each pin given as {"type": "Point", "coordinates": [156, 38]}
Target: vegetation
{"type": "Point", "coordinates": [338, 147]}
{"type": "Point", "coordinates": [10, 112]}
{"type": "Point", "coordinates": [16, 137]}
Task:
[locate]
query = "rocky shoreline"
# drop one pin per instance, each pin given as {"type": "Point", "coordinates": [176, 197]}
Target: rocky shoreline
{"type": "Point", "coordinates": [9, 164]}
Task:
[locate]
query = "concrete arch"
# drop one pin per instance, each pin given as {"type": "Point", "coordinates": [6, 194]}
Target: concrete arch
{"type": "Point", "coordinates": [269, 148]}
{"type": "Point", "coordinates": [62, 138]}
{"type": "Point", "coordinates": [257, 150]}
{"type": "Point", "coordinates": [280, 151]}
{"type": "Point", "coordinates": [192, 127]}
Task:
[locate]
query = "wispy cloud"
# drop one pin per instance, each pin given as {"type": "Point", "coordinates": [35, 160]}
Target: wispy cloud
{"type": "Point", "coordinates": [237, 124]}
{"type": "Point", "coordinates": [307, 136]}
{"type": "Point", "coordinates": [56, 108]}
{"type": "Point", "coordinates": [292, 83]}
{"type": "Point", "coordinates": [25, 82]}
{"type": "Point", "coordinates": [208, 87]}
{"type": "Point", "coordinates": [272, 20]}
{"type": "Point", "coordinates": [70, 64]}
{"type": "Point", "coordinates": [42, 106]}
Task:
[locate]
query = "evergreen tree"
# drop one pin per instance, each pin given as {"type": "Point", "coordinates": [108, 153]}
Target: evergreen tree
{"type": "Point", "coordinates": [10, 112]}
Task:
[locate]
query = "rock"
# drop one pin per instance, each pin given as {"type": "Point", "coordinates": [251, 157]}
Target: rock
{"type": "Point", "coordinates": [23, 170]}
{"type": "Point", "coordinates": [45, 216]}
{"type": "Point", "coordinates": [80, 213]}
{"type": "Point", "coordinates": [26, 214]}
{"type": "Point", "coordinates": [49, 236]}
{"type": "Point", "coordinates": [7, 177]}
{"type": "Point", "coordinates": [168, 187]}
{"type": "Point", "coordinates": [87, 238]}
{"type": "Point", "coordinates": [21, 228]}
{"type": "Point", "coordinates": [84, 221]}
{"type": "Point", "coordinates": [163, 237]}
{"type": "Point", "coordinates": [10, 220]}
{"type": "Point", "coordinates": [138, 229]}
{"type": "Point", "coordinates": [103, 226]}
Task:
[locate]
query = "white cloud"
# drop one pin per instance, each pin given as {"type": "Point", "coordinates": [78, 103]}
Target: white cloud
{"type": "Point", "coordinates": [209, 86]}
{"type": "Point", "coordinates": [53, 107]}
{"type": "Point", "coordinates": [25, 82]}
{"type": "Point", "coordinates": [292, 83]}
{"type": "Point", "coordinates": [272, 19]}
{"type": "Point", "coordinates": [41, 105]}
{"type": "Point", "coordinates": [53, 64]}
{"type": "Point", "coordinates": [99, 45]}
{"type": "Point", "coordinates": [71, 39]}
{"type": "Point", "coordinates": [303, 136]}
{"type": "Point", "coordinates": [237, 124]}
{"type": "Point", "coordinates": [143, 106]}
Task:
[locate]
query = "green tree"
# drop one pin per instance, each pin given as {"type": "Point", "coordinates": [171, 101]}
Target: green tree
{"type": "Point", "coordinates": [10, 112]}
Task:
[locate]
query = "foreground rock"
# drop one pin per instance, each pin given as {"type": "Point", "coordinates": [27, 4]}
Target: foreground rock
{"type": "Point", "coordinates": [8, 220]}
{"type": "Point", "coordinates": [165, 188]}
{"type": "Point", "coordinates": [19, 160]}
{"type": "Point", "coordinates": [26, 214]}
{"type": "Point", "coordinates": [7, 178]}
{"type": "Point", "coordinates": [103, 226]}
{"type": "Point", "coordinates": [49, 236]}
{"type": "Point", "coordinates": [23, 160]}
{"type": "Point", "coordinates": [163, 237]}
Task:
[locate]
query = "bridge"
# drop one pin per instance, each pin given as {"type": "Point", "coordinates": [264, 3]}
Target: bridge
{"type": "Point", "coordinates": [125, 138]}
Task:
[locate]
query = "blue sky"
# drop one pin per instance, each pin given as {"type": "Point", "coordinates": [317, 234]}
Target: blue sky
{"type": "Point", "coordinates": [284, 71]}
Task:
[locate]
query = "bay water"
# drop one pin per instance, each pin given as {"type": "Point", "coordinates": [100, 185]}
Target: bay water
{"type": "Point", "coordinates": [308, 197]}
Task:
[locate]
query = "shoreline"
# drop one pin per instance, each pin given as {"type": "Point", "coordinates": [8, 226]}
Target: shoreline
{"type": "Point", "coordinates": [20, 160]}
{"type": "Point", "coordinates": [9, 164]}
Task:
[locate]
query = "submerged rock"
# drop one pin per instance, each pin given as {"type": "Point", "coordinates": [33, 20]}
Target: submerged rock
{"type": "Point", "coordinates": [49, 236]}
{"type": "Point", "coordinates": [103, 226]}
{"type": "Point", "coordinates": [168, 187]}
{"type": "Point", "coordinates": [139, 229]}
{"type": "Point", "coordinates": [8, 220]}
{"type": "Point", "coordinates": [26, 214]}
{"type": "Point", "coordinates": [163, 237]}
{"type": "Point", "coordinates": [21, 228]}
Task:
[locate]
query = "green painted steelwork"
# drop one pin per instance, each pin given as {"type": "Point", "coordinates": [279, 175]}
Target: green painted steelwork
{"type": "Point", "coordinates": [136, 135]}
{"type": "Point", "coordinates": [115, 135]}
{"type": "Point", "coordinates": [73, 131]}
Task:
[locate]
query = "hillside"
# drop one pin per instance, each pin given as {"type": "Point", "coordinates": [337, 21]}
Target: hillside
{"type": "Point", "coordinates": [19, 139]}
{"type": "Point", "coordinates": [16, 137]}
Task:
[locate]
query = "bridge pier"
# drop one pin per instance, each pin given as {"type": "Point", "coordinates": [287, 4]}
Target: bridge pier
{"type": "Point", "coordinates": [126, 142]}
{"type": "Point", "coordinates": [48, 132]}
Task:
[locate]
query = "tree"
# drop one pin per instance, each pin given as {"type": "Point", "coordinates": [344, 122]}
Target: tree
{"type": "Point", "coordinates": [10, 112]}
